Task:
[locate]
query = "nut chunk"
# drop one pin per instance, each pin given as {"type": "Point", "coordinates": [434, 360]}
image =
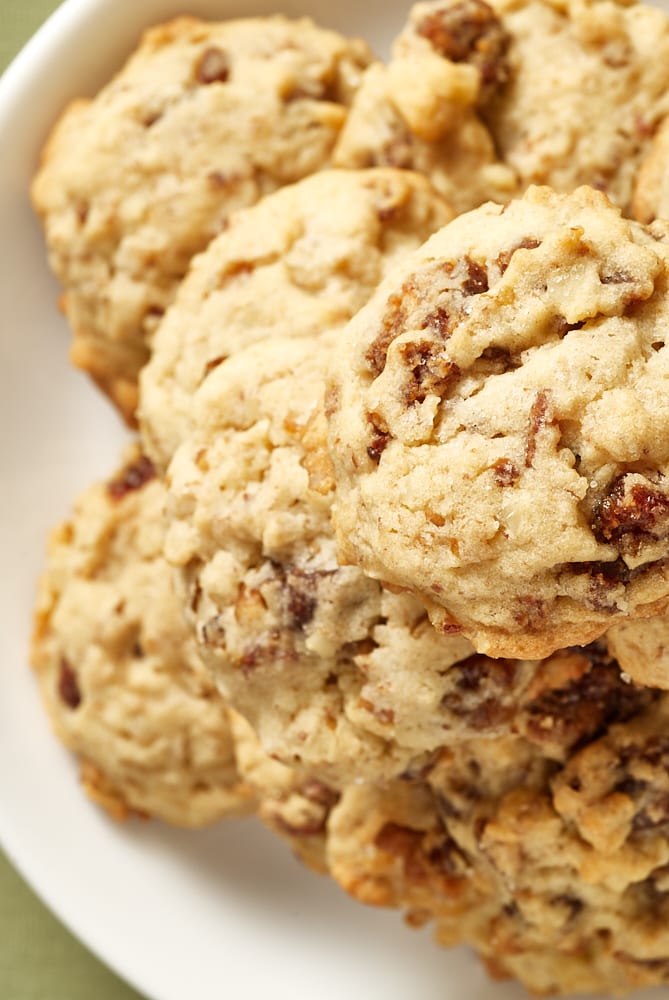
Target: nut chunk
{"type": "Point", "coordinates": [515, 366]}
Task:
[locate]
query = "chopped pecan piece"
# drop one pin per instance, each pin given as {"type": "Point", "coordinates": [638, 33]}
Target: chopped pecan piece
{"type": "Point", "coordinates": [476, 281]}
{"type": "Point", "coordinates": [539, 418]}
{"type": "Point", "coordinates": [213, 66]}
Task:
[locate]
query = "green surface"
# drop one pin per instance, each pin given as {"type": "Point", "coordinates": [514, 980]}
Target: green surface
{"type": "Point", "coordinates": [39, 959]}
{"type": "Point", "coordinates": [19, 19]}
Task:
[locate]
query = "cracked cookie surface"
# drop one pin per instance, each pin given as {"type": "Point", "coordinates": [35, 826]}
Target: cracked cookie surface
{"type": "Point", "coordinates": [118, 668]}
{"type": "Point", "coordinates": [335, 674]}
{"type": "Point", "coordinates": [549, 858]}
{"type": "Point", "coordinates": [300, 262]}
{"type": "Point", "coordinates": [421, 110]}
{"type": "Point", "coordinates": [489, 98]}
{"type": "Point", "coordinates": [498, 425]}
{"type": "Point", "coordinates": [204, 119]}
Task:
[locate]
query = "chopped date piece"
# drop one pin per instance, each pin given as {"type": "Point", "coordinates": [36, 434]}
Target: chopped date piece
{"type": "Point", "coordinates": [423, 853]}
{"type": "Point", "coordinates": [430, 374]}
{"type": "Point", "coordinates": [606, 574]}
{"type": "Point", "coordinates": [464, 278]}
{"type": "Point", "coordinates": [133, 477]}
{"type": "Point", "coordinates": [301, 593]}
{"type": "Point", "coordinates": [380, 438]}
{"type": "Point", "coordinates": [630, 513]}
{"type": "Point", "coordinates": [483, 692]}
{"type": "Point", "coordinates": [577, 711]}
{"type": "Point", "coordinates": [470, 32]}
{"type": "Point", "coordinates": [68, 685]}
{"type": "Point", "coordinates": [476, 281]}
{"type": "Point", "coordinates": [438, 321]}
{"type": "Point", "coordinates": [301, 605]}
{"type": "Point", "coordinates": [505, 472]}
{"type": "Point", "coordinates": [393, 319]}
{"type": "Point", "coordinates": [377, 447]}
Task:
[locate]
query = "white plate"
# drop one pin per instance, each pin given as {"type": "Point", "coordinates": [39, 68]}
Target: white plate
{"type": "Point", "coordinates": [182, 916]}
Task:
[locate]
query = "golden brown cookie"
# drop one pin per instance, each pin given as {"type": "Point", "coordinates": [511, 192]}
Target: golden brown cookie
{"type": "Point", "coordinates": [118, 668]}
{"type": "Point", "coordinates": [204, 118]}
{"type": "Point", "coordinates": [421, 111]}
{"type": "Point", "coordinates": [297, 264]}
{"type": "Point", "coordinates": [651, 193]}
{"type": "Point", "coordinates": [547, 851]}
{"type": "Point", "coordinates": [489, 98]}
{"type": "Point", "coordinates": [499, 425]}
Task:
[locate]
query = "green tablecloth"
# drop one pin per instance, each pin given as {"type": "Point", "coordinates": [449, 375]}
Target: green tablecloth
{"type": "Point", "coordinates": [39, 959]}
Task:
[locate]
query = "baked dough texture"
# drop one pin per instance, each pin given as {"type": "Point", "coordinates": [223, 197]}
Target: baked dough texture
{"type": "Point", "coordinates": [588, 85]}
{"type": "Point", "coordinates": [203, 119]}
{"type": "Point", "coordinates": [549, 859]}
{"type": "Point", "coordinates": [291, 803]}
{"type": "Point", "coordinates": [336, 676]}
{"type": "Point", "coordinates": [300, 262]}
{"type": "Point", "coordinates": [421, 110]}
{"type": "Point", "coordinates": [118, 668]}
{"type": "Point", "coordinates": [339, 677]}
{"type": "Point", "coordinates": [642, 649]}
{"type": "Point", "coordinates": [489, 98]}
{"type": "Point", "coordinates": [499, 424]}
{"type": "Point", "coordinates": [651, 193]}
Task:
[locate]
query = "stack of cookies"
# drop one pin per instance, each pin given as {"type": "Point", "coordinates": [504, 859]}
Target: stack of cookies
{"type": "Point", "coordinates": [387, 562]}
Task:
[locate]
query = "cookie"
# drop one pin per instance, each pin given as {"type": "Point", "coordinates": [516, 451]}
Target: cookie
{"type": "Point", "coordinates": [336, 675]}
{"type": "Point", "coordinates": [642, 649]}
{"type": "Point", "coordinates": [651, 192]}
{"type": "Point", "coordinates": [204, 118]}
{"type": "Point", "coordinates": [300, 262]}
{"type": "Point", "coordinates": [250, 533]}
{"type": "Point", "coordinates": [290, 803]}
{"type": "Point", "coordinates": [550, 860]}
{"type": "Point", "coordinates": [421, 111]}
{"type": "Point", "coordinates": [587, 86]}
{"type": "Point", "coordinates": [118, 668]}
{"type": "Point", "coordinates": [463, 166]}
{"type": "Point", "coordinates": [498, 425]}
{"type": "Point", "coordinates": [489, 98]}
